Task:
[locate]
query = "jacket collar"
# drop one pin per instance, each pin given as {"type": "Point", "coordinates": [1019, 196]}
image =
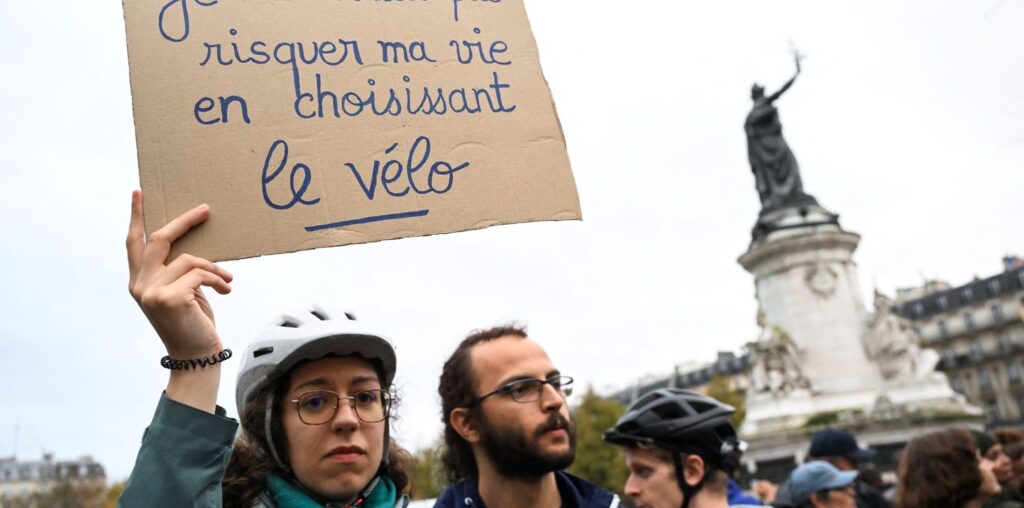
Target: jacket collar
{"type": "Point", "coordinates": [575, 492]}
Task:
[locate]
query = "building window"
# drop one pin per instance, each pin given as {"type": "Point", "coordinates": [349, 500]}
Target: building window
{"type": "Point", "coordinates": [1004, 343]}
{"type": "Point", "coordinates": [918, 310]}
{"type": "Point", "coordinates": [943, 330]}
{"type": "Point", "coordinates": [1013, 372]}
{"type": "Point", "coordinates": [918, 333]}
{"type": "Point", "coordinates": [967, 295]}
{"type": "Point", "coordinates": [997, 313]}
{"type": "Point", "coordinates": [994, 287]}
{"type": "Point", "coordinates": [950, 357]}
{"type": "Point", "coordinates": [976, 352]}
{"type": "Point", "coordinates": [992, 410]}
{"type": "Point", "coordinates": [954, 381]}
{"type": "Point", "coordinates": [943, 303]}
{"type": "Point", "coordinates": [984, 381]}
{"type": "Point", "coordinates": [969, 321]}
{"type": "Point", "coordinates": [1020, 279]}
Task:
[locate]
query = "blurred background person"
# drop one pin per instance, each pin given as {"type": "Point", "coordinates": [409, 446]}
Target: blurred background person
{"type": "Point", "coordinates": [944, 470]}
{"type": "Point", "coordinates": [839, 448]}
{"type": "Point", "coordinates": [818, 484]}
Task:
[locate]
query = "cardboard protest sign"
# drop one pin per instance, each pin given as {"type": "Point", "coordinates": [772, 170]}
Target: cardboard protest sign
{"type": "Point", "coordinates": [312, 123]}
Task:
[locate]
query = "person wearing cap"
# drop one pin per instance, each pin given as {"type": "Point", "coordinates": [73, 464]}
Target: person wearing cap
{"type": "Point", "coordinates": [819, 484]}
{"type": "Point", "coordinates": [313, 395]}
{"type": "Point", "coordinates": [944, 469]}
{"type": "Point", "coordinates": [839, 448]}
{"type": "Point", "coordinates": [679, 447]}
{"type": "Point", "coordinates": [508, 432]}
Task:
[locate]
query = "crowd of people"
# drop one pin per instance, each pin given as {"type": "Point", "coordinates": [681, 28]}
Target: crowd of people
{"type": "Point", "coordinates": [952, 468]}
{"type": "Point", "coordinates": [315, 406]}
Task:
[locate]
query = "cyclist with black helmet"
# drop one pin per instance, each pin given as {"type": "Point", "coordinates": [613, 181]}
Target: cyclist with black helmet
{"type": "Point", "coordinates": [679, 447]}
{"type": "Point", "coordinates": [313, 395]}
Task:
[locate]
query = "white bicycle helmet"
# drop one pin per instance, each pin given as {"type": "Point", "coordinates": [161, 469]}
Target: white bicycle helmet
{"type": "Point", "coordinates": [308, 334]}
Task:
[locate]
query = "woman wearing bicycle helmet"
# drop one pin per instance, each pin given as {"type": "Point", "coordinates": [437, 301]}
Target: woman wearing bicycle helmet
{"type": "Point", "coordinates": [313, 395]}
{"type": "Point", "coordinates": [679, 447]}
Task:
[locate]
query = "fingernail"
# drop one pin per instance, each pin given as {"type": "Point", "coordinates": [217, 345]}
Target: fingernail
{"type": "Point", "coordinates": [203, 207]}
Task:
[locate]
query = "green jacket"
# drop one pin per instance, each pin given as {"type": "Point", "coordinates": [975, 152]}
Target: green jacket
{"type": "Point", "coordinates": [183, 458]}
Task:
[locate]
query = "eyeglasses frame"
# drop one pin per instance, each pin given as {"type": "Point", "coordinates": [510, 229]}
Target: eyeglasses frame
{"type": "Point", "coordinates": [508, 387]}
{"type": "Point", "coordinates": [387, 400]}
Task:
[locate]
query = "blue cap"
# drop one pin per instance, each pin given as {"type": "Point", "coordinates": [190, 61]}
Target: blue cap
{"type": "Point", "coordinates": [814, 476]}
{"type": "Point", "coordinates": [833, 442]}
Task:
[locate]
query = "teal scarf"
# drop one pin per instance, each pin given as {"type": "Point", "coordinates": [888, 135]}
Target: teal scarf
{"type": "Point", "coordinates": [287, 495]}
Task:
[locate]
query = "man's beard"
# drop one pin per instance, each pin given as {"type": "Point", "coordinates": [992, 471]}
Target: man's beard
{"type": "Point", "coordinates": [515, 456]}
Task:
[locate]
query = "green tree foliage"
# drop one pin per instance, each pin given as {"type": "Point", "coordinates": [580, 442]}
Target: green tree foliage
{"type": "Point", "coordinates": [597, 461]}
{"type": "Point", "coordinates": [114, 494]}
{"type": "Point", "coordinates": [721, 388]}
{"type": "Point", "coordinates": [430, 477]}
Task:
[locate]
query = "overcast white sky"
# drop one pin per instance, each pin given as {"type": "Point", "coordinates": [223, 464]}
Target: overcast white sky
{"type": "Point", "coordinates": [908, 121]}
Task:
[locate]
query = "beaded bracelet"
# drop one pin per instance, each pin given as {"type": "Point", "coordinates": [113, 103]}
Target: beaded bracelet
{"type": "Point", "coordinates": [200, 363]}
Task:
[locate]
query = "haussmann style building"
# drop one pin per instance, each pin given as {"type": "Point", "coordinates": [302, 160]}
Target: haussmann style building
{"type": "Point", "coordinates": [977, 330]}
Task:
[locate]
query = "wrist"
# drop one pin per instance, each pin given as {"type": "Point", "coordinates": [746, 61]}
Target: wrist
{"type": "Point", "coordinates": [196, 388]}
{"type": "Point", "coordinates": [193, 351]}
{"type": "Point", "coordinates": [196, 363]}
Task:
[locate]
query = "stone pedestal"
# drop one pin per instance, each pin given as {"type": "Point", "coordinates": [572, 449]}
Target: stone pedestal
{"type": "Point", "coordinates": [807, 287]}
{"type": "Point", "coordinates": [773, 457]}
{"type": "Point", "coordinates": [822, 360]}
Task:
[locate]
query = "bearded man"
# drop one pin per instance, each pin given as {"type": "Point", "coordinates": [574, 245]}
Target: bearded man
{"type": "Point", "coordinates": [508, 433]}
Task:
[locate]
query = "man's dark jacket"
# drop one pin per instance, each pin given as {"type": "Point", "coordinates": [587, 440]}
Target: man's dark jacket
{"type": "Point", "coordinates": [575, 492]}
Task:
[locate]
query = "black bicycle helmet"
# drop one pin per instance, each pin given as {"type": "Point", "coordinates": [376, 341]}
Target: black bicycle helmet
{"type": "Point", "coordinates": [681, 422]}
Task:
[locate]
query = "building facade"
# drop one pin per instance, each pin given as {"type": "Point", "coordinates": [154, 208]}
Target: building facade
{"type": "Point", "coordinates": [21, 479]}
{"type": "Point", "coordinates": [978, 331]}
{"type": "Point", "coordinates": [734, 368]}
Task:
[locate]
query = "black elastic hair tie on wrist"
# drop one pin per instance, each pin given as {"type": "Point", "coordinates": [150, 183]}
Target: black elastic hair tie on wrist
{"type": "Point", "coordinates": [197, 364]}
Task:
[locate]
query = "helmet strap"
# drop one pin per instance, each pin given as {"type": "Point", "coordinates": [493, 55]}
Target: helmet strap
{"type": "Point", "coordinates": [267, 418]}
{"type": "Point", "coordinates": [689, 491]}
{"type": "Point", "coordinates": [385, 459]}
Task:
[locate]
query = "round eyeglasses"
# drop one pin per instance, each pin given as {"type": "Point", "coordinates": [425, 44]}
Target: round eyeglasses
{"type": "Point", "coordinates": [530, 389]}
{"type": "Point", "coordinates": [320, 407]}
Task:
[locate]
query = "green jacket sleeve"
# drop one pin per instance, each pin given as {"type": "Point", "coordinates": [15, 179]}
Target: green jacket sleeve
{"type": "Point", "coordinates": [182, 460]}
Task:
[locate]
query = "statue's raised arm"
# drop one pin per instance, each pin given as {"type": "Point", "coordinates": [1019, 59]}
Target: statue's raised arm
{"type": "Point", "coordinates": [796, 58]}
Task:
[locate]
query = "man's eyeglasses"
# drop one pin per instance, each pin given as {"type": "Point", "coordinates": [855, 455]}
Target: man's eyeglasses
{"type": "Point", "coordinates": [530, 390]}
{"type": "Point", "coordinates": [320, 407]}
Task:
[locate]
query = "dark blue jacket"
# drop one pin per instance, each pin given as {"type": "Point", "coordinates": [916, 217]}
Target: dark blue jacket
{"type": "Point", "coordinates": [738, 498]}
{"type": "Point", "coordinates": [575, 492]}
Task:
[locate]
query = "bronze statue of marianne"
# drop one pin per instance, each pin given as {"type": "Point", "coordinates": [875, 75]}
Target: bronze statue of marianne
{"type": "Point", "coordinates": [774, 165]}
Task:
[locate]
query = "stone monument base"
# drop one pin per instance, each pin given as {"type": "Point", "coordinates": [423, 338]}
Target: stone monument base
{"type": "Point", "coordinates": [772, 456]}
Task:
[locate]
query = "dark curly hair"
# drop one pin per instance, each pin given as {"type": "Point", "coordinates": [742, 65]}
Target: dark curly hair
{"type": "Point", "coordinates": [939, 470]}
{"type": "Point", "coordinates": [251, 461]}
{"type": "Point", "coordinates": [456, 390]}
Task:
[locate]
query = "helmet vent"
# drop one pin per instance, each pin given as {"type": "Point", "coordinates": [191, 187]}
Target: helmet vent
{"type": "Point", "coordinates": [350, 316]}
{"type": "Point", "coordinates": [701, 407]}
{"type": "Point", "coordinates": [319, 315]}
{"type": "Point", "coordinates": [262, 351]}
{"type": "Point", "coordinates": [668, 411]}
{"type": "Point", "coordinates": [289, 324]}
